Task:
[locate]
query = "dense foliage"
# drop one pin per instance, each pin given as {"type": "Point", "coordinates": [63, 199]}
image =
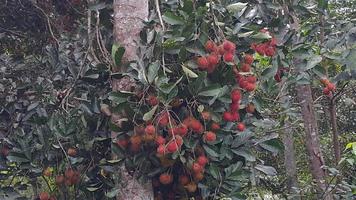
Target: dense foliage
{"type": "Point", "coordinates": [51, 125]}
{"type": "Point", "coordinates": [212, 96]}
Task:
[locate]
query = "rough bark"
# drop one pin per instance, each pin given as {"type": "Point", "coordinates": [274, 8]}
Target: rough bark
{"type": "Point", "coordinates": [304, 95]}
{"type": "Point", "coordinates": [128, 17]}
{"type": "Point", "coordinates": [336, 143]}
{"type": "Point", "coordinates": [289, 152]}
{"type": "Point", "coordinates": [316, 160]}
{"type": "Point", "coordinates": [290, 164]}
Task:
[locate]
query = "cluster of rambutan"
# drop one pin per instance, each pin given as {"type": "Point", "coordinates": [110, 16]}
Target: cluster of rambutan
{"type": "Point", "coordinates": [70, 177]}
{"type": "Point", "coordinates": [188, 179]}
{"type": "Point", "coordinates": [329, 87]}
{"type": "Point", "coordinates": [176, 133]}
{"type": "Point", "coordinates": [168, 133]}
{"type": "Point", "coordinates": [266, 48]}
{"type": "Point", "coordinates": [195, 171]}
{"type": "Point", "coordinates": [247, 82]}
{"type": "Point", "coordinates": [46, 196]}
{"type": "Point", "coordinates": [209, 63]}
{"type": "Point", "coordinates": [233, 114]}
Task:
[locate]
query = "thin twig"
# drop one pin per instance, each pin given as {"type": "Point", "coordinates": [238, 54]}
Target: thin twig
{"type": "Point", "coordinates": [163, 30]}
{"type": "Point", "coordinates": [283, 128]}
{"type": "Point", "coordinates": [159, 15]}
{"type": "Point", "coordinates": [81, 99]}
{"type": "Point", "coordinates": [329, 184]}
{"type": "Point", "coordinates": [65, 98]}
{"type": "Point", "coordinates": [220, 32]}
{"type": "Point", "coordinates": [72, 6]}
{"type": "Point", "coordinates": [64, 151]}
{"type": "Point", "coordinates": [48, 22]}
{"type": "Point", "coordinates": [340, 91]}
{"type": "Point", "coordinates": [281, 91]}
{"type": "Point", "coordinates": [317, 99]}
{"type": "Point", "coordinates": [12, 179]}
{"type": "Point", "coordinates": [97, 31]}
{"type": "Point", "coordinates": [101, 45]}
{"type": "Point", "coordinates": [212, 13]}
{"type": "Point", "coordinates": [12, 32]}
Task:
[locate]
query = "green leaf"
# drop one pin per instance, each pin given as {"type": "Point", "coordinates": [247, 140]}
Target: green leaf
{"type": "Point", "coordinates": [32, 106]}
{"type": "Point", "coordinates": [114, 161]}
{"type": "Point", "coordinates": [349, 145]}
{"type": "Point", "coordinates": [268, 170]}
{"type": "Point", "coordinates": [198, 83]}
{"type": "Point", "coordinates": [189, 72]}
{"type": "Point", "coordinates": [261, 36]}
{"type": "Point", "coordinates": [232, 168]}
{"type": "Point", "coordinates": [168, 87]}
{"type": "Point", "coordinates": [316, 59]}
{"type": "Point", "coordinates": [211, 92]}
{"type": "Point", "coordinates": [319, 71]}
{"type": "Point", "coordinates": [210, 151]}
{"type": "Point", "coordinates": [113, 193]}
{"type": "Point", "coordinates": [241, 139]}
{"type": "Point", "coordinates": [152, 71]}
{"type": "Point", "coordinates": [172, 19]}
{"type": "Point", "coordinates": [92, 76]}
{"type": "Point", "coordinates": [269, 73]}
{"type": "Point", "coordinates": [236, 7]}
{"type": "Point", "coordinates": [188, 7]}
{"type": "Point", "coordinates": [13, 158]}
{"type": "Point", "coordinates": [245, 153]}
{"type": "Point", "coordinates": [274, 145]}
{"type": "Point", "coordinates": [323, 4]}
{"type": "Point", "coordinates": [93, 189]}
{"type": "Point", "coordinates": [86, 109]}
{"type": "Point", "coordinates": [148, 116]}
{"type": "Point", "coordinates": [220, 95]}
{"type": "Point", "coordinates": [119, 97]}
{"type": "Point", "coordinates": [351, 161]}
{"type": "Point", "coordinates": [117, 52]}
{"type": "Point", "coordinates": [350, 59]}
{"type": "Point", "coordinates": [197, 51]}
{"type": "Point", "coordinates": [214, 171]}
{"type": "Point", "coordinates": [173, 94]}
{"type": "Point", "coordinates": [190, 143]}
{"type": "Point", "coordinates": [161, 79]}
{"type": "Point", "coordinates": [246, 34]}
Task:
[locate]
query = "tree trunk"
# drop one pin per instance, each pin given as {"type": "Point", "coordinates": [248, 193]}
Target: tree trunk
{"type": "Point", "coordinates": [336, 143]}
{"type": "Point", "coordinates": [289, 151]}
{"type": "Point", "coordinates": [316, 160]}
{"type": "Point", "coordinates": [290, 164]}
{"type": "Point", "coordinates": [128, 17]}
